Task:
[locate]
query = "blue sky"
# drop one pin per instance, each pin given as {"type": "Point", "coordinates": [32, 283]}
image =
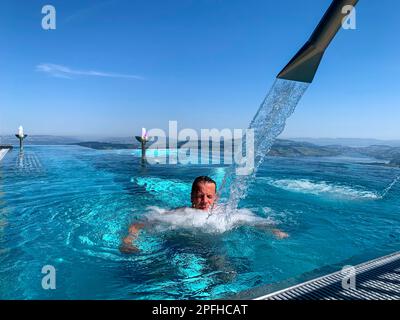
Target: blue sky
{"type": "Point", "coordinates": [114, 66]}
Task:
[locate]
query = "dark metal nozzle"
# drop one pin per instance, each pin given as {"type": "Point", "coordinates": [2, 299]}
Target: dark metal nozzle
{"type": "Point", "coordinates": [21, 139]}
{"type": "Point", "coordinates": [304, 64]}
{"type": "Point", "coordinates": [143, 142]}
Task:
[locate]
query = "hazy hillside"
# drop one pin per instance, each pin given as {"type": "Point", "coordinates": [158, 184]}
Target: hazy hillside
{"type": "Point", "coordinates": [283, 148]}
{"type": "Point", "coordinates": [348, 142]}
{"type": "Point", "coordinates": [39, 140]}
{"type": "Point", "coordinates": [287, 148]}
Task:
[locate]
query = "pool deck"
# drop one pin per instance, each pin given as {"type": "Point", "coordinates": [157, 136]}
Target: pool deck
{"type": "Point", "coordinates": [378, 279]}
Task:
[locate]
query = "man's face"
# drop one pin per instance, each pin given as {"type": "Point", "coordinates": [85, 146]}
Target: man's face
{"type": "Point", "coordinates": [204, 197]}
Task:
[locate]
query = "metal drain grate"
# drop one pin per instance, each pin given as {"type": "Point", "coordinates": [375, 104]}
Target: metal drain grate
{"type": "Point", "coordinates": [377, 279]}
{"type": "Point", "coordinates": [3, 153]}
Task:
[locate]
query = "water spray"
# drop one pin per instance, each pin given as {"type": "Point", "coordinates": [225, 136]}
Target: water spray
{"type": "Point", "coordinates": [390, 186]}
{"type": "Point", "coordinates": [286, 92]}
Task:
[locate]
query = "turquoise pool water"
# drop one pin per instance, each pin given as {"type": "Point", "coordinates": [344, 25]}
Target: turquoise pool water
{"type": "Point", "coordinates": [69, 206]}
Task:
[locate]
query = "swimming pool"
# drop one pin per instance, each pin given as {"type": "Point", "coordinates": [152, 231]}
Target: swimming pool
{"type": "Point", "coordinates": [69, 206]}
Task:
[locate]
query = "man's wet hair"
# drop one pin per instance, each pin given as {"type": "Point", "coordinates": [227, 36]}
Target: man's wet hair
{"type": "Point", "coordinates": [202, 179]}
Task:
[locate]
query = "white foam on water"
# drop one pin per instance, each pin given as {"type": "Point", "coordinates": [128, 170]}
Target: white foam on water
{"type": "Point", "coordinates": [322, 188]}
{"type": "Point", "coordinates": [221, 220]}
{"type": "Point", "coordinates": [160, 185]}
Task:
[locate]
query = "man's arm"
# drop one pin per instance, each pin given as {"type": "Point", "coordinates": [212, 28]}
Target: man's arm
{"type": "Point", "coordinates": [127, 246]}
{"type": "Point", "coordinates": [275, 231]}
{"type": "Point", "coordinates": [279, 233]}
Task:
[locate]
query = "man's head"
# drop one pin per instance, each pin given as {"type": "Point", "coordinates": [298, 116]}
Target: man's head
{"type": "Point", "coordinates": [204, 193]}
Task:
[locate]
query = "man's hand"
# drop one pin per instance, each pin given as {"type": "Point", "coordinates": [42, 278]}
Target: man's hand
{"type": "Point", "coordinates": [280, 234]}
{"type": "Point", "coordinates": [135, 228]}
{"type": "Point", "coordinates": [128, 248]}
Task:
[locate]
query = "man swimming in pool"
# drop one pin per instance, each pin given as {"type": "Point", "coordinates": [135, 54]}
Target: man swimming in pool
{"type": "Point", "coordinates": [203, 197]}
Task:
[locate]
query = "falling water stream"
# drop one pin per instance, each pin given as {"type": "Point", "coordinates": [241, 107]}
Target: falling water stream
{"type": "Point", "coordinates": [268, 124]}
{"type": "Point", "coordinates": [390, 186]}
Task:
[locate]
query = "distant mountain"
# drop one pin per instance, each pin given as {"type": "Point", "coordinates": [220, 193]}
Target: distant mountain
{"type": "Point", "coordinates": [349, 142]}
{"type": "Point", "coordinates": [391, 154]}
{"type": "Point", "coordinates": [57, 140]}
{"type": "Point", "coordinates": [288, 148]}
{"type": "Point", "coordinates": [62, 140]}
{"type": "Point", "coordinates": [107, 146]}
{"type": "Point", "coordinates": [39, 140]}
{"type": "Point", "coordinates": [123, 140]}
{"type": "Point", "coordinates": [283, 148]}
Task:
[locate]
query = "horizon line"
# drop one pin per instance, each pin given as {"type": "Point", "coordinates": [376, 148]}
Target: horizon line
{"type": "Point", "coordinates": [128, 136]}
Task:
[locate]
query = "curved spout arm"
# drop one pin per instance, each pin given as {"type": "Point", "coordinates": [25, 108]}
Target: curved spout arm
{"type": "Point", "coordinates": [304, 64]}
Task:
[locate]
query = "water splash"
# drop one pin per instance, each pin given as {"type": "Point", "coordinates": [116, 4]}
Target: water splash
{"type": "Point", "coordinates": [386, 191]}
{"type": "Point", "coordinates": [192, 219]}
{"type": "Point", "coordinates": [268, 124]}
{"type": "Point", "coordinates": [323, 188]}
